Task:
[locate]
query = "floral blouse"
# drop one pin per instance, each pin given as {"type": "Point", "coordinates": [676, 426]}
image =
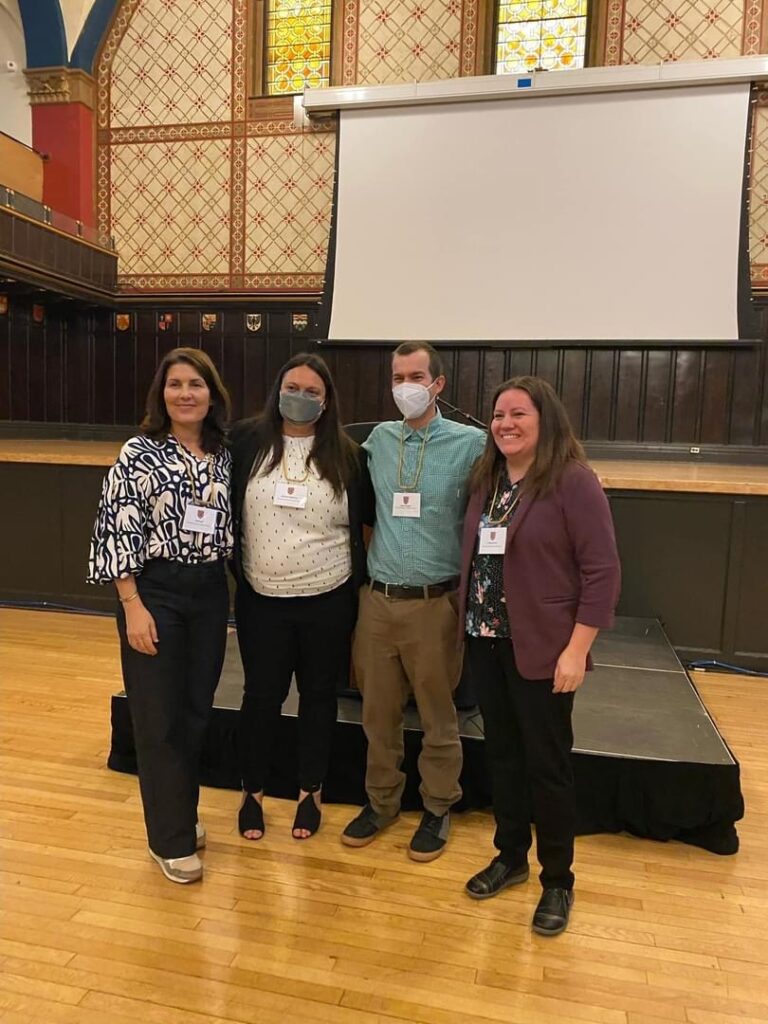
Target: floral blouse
{"type": "Point", "coordinates": [486, 605]}
{"type": "Point", "coordinates": [143, 502]}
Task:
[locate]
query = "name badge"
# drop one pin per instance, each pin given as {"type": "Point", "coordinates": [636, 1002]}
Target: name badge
{"type": "Point", "coordinates": [288, 495]}
{"type": "Point", "coordinates": [493, 540]}
{"type": "Point", "coordinates": [200, 518]}
{"type": "Point", "coordinates": [406, 504]}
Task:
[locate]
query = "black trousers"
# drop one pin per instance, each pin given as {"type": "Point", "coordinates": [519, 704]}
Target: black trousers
{"type": "Point", "coordinates": [528, 740]}
{"type": "Point", "coordinates": [280, 636]}
{"type": "Point", "coordinates": [170, 694]}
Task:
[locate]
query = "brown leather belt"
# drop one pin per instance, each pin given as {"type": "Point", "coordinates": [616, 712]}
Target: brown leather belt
{"type": "Point", "coordinates": [398, 593]}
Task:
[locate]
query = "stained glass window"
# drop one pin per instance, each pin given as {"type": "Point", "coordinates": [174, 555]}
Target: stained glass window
{"type": "Point", "coordinates": [544, 34]}
{"type": "Point", "coordinates": [298, 45]}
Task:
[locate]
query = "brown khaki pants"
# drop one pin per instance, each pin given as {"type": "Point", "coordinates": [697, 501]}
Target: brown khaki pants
{"type": "Point", "coordinates": [404, 647]}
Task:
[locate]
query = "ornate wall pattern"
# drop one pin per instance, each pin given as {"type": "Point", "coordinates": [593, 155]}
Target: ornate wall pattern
{"type": "Point", "coordinates": [199, 197]}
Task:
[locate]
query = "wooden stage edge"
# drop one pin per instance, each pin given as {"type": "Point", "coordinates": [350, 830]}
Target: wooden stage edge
{"type": "Point", "coordinates": [615, 474]}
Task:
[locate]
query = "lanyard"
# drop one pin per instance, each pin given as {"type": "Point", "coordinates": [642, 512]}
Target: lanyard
{"type": "Point", "coordinates": [419, 462]}
{"type": "Point", "coordinates": [510, 510]}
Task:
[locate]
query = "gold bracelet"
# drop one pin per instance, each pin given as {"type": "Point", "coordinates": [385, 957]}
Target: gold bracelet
{"type": "Point", "coordinates": [125, 600]}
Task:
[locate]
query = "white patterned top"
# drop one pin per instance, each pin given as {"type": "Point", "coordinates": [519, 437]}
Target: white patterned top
{"type": "Point", "coordinates": [295, 552]}
{"type": "Point", "coordinates": [143, 501]}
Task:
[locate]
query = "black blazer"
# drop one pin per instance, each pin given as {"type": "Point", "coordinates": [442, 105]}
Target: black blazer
{"type": "Point", "coordinates": [244, 442]}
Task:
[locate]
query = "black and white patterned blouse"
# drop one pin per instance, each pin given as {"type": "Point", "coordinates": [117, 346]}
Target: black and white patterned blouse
{"type": "Point", "coordinates": [143, 501]}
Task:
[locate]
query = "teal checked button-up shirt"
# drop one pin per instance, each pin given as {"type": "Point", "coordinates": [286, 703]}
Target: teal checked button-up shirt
{"type": "Point", "coordinates": [408, 551]}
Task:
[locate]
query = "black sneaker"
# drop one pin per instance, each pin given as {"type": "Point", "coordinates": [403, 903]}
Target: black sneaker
{"type": "Point", "coordinates": [493, 879]}
{"type": "Point", "coordinates": [551, 916]}
{"type": "Point", "coordinates": [430, 837]}
{"type": "Point", "coordinates": [365, 827]}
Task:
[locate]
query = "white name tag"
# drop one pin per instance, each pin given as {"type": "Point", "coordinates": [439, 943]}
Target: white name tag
{"type": "Point", "coordinates": [288, 495]}
{"type": "Point", "coordinates": [493, 540]}
{"type": "Point", "coordinates": [406, 504]}
{"type": "Point", "coordinates": [200, 518]}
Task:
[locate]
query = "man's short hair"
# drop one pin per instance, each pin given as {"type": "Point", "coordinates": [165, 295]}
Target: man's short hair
{"type": "Point", "coordinates": [407, 348]}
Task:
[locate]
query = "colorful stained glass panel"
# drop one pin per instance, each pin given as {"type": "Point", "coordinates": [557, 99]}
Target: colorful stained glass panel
{"type": "Point", "coordinates": [298, 45]}
{"type": "Point", "coordinates": [544, 34]}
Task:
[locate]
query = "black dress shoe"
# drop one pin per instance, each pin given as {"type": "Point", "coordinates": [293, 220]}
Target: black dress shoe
{"type": "Point", "coordinates": [494, 878]}
{"type": "Point", "coordinates": [551, 916]}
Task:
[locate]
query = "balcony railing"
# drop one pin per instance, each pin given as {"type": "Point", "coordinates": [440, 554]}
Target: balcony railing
{"type": "Point", "coordinates": [18, 202]}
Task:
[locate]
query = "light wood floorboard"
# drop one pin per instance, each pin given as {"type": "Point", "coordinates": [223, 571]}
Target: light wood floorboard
{"type": "Point", "coordinates": [283, 932]}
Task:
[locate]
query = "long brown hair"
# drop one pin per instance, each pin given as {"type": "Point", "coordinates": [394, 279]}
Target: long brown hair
{"type": "Point", "coordinates": [557, 444]}
{"type": "Point", "coordinates": [157, 423]}
{"type": "Point", "coordinates": [333, 452]}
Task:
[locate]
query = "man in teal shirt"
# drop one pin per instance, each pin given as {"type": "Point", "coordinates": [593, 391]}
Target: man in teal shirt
{"type": "Point", "coordinates": [406, 636]}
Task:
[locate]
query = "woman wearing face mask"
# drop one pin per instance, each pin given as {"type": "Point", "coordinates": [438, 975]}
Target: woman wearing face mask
{"type": "Point", "coordinates": [301, 494]}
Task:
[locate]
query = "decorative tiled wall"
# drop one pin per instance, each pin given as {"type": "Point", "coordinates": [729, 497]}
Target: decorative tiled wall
{"type": "Point", "coordinates": [199, 197]}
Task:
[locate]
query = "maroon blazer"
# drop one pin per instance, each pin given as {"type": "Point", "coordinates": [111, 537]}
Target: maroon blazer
{"type": "Point", "coordinates": [561, 566]}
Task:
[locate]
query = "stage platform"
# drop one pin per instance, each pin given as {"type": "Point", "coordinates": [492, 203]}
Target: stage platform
{"type": "Point", "coordinates": [648, 757]}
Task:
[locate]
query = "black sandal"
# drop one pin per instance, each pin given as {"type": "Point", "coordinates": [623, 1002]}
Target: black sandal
{"type": "Point", "coordinates": [307, 817]}
{"type": "Point", "coordinates": [250, 817]}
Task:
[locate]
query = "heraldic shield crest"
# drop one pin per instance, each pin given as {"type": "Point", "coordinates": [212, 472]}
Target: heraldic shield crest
{"type": "Point", "coordinates": [122, 321]}
{"type": "Point", "coordinates": [253, 321]}
{"type": "Point", "coordinates": [208, 320]}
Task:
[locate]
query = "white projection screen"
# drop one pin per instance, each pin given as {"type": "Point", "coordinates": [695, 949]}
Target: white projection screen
{"type": "Point", "coordinates": [586, 216]}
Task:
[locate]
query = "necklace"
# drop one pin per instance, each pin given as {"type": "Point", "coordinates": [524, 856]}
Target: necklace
{"type": "Point", "coordinates": [419, 461]}
{"type": "Point", "coordinates": [510, 510]}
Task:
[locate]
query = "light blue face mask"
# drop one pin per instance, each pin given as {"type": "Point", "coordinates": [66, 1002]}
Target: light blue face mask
{"type": "Point", "coordinates": [299, 407]}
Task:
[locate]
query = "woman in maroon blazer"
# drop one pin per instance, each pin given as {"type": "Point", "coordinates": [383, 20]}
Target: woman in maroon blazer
{"type": "Point", "coordinates": [540, 578]}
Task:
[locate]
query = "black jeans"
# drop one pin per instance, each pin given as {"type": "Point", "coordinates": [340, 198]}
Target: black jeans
{"type": "Point", "coordinates": [170, 694]}
{"type": "Point", "coordinates": [528, 740]}
{"type": "Point", "coordinates": [280, 636]}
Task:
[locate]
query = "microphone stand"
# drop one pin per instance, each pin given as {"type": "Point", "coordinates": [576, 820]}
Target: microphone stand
{"type": "Point", "coordinates": [467, 416]}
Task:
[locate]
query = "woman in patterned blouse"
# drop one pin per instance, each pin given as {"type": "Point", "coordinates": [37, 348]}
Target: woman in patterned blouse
{"type": "Point", "coordinates": [540, 578]}
{"type": "Point", "coordinates": [163, 534]}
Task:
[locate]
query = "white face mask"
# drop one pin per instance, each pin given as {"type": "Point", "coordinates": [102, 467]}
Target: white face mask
{"type": "Point", "coordinates": [412, 400]}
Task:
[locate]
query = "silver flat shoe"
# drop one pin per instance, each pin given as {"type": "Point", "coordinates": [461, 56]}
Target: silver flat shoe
{"type": "Point", "coordinates": [180, 869]}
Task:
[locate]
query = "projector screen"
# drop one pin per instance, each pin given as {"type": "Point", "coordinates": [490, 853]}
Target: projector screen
{"type": "Point", "coordinates": [585, 216]}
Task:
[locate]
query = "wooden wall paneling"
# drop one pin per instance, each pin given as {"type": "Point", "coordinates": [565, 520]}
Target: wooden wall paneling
{"type": "Point", "coordinates": [147, 356]}
{"type": "Point", "coordinates": [630, 367]}
{"type": "Point", "coordinates": [494, 372]}
{"type": "Point", "coordinates": [189, 333]}
{"type": "Point", "coordinates": [547, 365]}
{"type": "Point", "coordinates": [50, 247]}
{"type": "Point", "coordinates": [657, 405]}
{"type": "Point", "coordinates": [36, 363]}
{"type": "Point", "coordinates": [464, 388]}
{"type": "Point", "coordinates": [232, 364]}
{"type": "Point", "coordinates": [572, 383]}
{"type": "Point", "coordinates": [747, 397]}
{"type": "Point", "coordinates": [751, 628]}
{"type": "Point", "coordinates": [105, 382]}
{"type": "Point", "coordinates": [665, 543]}
{"type": "Point", "coordinates": [255, 370]}
{"type": "Point", "coordinates": [520, 362]}
{"type": "Point", "coordinates": [5, 363]}
{"type": "Point", "coordinates": [600, 392]}
{"type": "Point", "coordinates": [717, 388]}
{"type": "Point", "coordinates": [35, 514]}
{"type": "Point", "coordinates": [19, 364]}
{"type": "Point", "coordinates": [685, 396]}
{"type": "Point", "coordinates": [34, 247]}
{"type": "Point", "coordinates": [78, 512]}
{"type": "Point", "coordinates": [78, 386]}
{"type": "Point", "coordinates": [126, 398]}
{"type": "Point", "coordinates": [54, 375]}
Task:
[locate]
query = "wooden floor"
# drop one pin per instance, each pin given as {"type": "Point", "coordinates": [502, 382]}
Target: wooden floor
{"type": "Point", "coordinates": [282, 932]}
